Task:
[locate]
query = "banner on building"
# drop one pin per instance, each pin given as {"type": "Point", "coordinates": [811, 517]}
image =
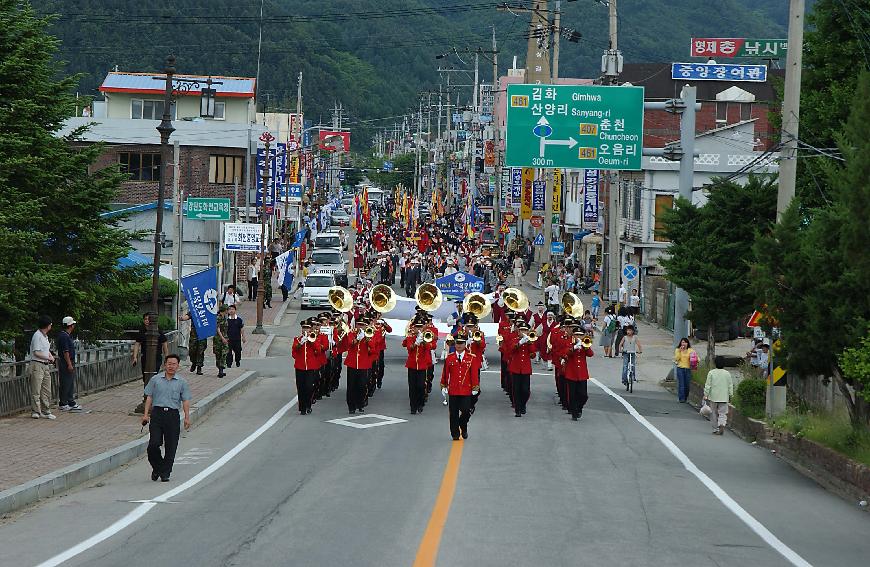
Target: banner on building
{"type": "Point", "coordinates": [526, 202]}
{"type": "Point", "coordinates": [539, 195]}
{"type": "Point", "coordinates": [332, 140]}
{"type": "Point", "coordinates": [489, 153]}
{"type": "Point", "coordinates": [557, 190]}
{"type": "Point", "coordinates": [590, 198]}
{"type": "Point", "coordinates": [516, 188]}
{"type": "Point", "coordinates": [200, 290]}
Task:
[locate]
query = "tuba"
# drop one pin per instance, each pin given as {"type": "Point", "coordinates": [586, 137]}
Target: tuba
{"type": "Point", "coordinates": [476, 304]}
{"type": "Point", "coordinates": [340, 299]}
{"type": "Point", "coordinates": [382, 298]}
{"type": "Point", "coordinates": [571, 304]}
{"type": "Point", "coordinates": [515, 299]}
{"type": "Point", "coordinates": [429, 297]}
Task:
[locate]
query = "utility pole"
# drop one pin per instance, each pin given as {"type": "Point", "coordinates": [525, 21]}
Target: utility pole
{"type": "Point", "coordinates": [177, 201]}
{"type": "Point", "coordinates": [611, 67]}
{"type": "Point", "coordinates": [472, 141]}
{"type": "Point", "coordinates": [791, 107]}
{"type": "Point", "coordinates": [267, 139]}
{"type": "Point", "coordinates": [496, 140]}
{"type": "Point", "coordinates": [548, 193]}
{"type": "Point", "coordinates": [687, 175]}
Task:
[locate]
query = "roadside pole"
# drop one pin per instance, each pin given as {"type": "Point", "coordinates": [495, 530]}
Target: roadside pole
{"type": "Point", "coordinates": [687, 175]}
{"type": "Point", "coordinates": [177, 202]}
{"type": "Point", "coordinates": [548, 193]}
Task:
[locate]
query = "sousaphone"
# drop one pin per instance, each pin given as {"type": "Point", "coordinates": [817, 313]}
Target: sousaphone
{"type": "Point", "coordinates": [515, 300]}
{"type": "Point", "coordinates": [340, 299]}
{"type": "Point", "coordinates": [428, 297]}
{"type": "Point", "coordinates": [571, 304]}
{"type": "Point", "coordinates": [382, 298]}
{"type": "Point", "coordinates": [476, 304]}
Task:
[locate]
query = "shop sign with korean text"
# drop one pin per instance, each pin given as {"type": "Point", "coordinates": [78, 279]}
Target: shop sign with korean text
{"type": "Point", "coordinates": [242, 236]}
{"type": "Point", "coordinates": [729, 47]}
{"type": "Point", "coordinates": [574, 127]}
{"type": "Point", "coordinates": [719, 72]}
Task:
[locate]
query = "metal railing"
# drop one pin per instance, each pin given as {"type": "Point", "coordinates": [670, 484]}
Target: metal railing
{"type": "Point", "coordinates": [97, 368]}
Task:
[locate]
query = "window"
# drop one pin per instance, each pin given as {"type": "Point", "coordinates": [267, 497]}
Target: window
{"type": "Point", "coordinates": [638, 191]}
{"type": "Point", "coordinates": [141, 109]}
{"type": "Point", "coordinates": [626, 203]}
{"type": "Point", "coordinates": [220, 109]}
{"type": "Point", "coordinates": [140, 167]}
{"type": "Point", "coordinates": [224, 170]}
{"type": "Point", "coordinates": [721, 112]}
{"type": "Point", "coordinates": [746, 111]}
{"type": "Point", "coordinates": [663, 203]}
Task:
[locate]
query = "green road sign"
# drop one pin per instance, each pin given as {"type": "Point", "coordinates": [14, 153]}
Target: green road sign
{"type": "Point", "coordinates": [209, 208]}
{"type": "Point", "coordinates": [575, 127]}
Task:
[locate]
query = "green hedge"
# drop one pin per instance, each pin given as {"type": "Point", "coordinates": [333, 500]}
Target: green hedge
{"type": "Point", "coordinates": [750, 397]}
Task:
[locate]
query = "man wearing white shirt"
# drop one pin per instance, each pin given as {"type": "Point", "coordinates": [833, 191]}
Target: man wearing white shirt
{"type": "Point", "coordinates": [41, 363]}
{"type": "Point", "coordinates": [551, 292]}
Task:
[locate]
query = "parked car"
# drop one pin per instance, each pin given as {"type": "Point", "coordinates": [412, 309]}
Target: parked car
{"type": "Point", "coordinates": [315, 293]}
{"type": "Point", "coordinates": [339, 217]}
{"type": "Point", "coordinates": [330, 261]}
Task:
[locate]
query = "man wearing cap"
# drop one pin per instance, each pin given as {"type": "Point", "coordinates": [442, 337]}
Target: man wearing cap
{"type": "Point", "coordinates": [66, 367]}
{"type": "Point", "coordinates": [306, 361]}
{"type": "Point", "coordinates": [460, 381]}
{"type": "Point", "coordinates": [520, 367]}
{"type": "Point", "coordinates": [508, 334]}
{"type": "Point", "coordinates": [576, 372]}
{"type": "Point", "coordinates": [418, 363]}
{"type": "Point", "coordinates": [498, 308]}
{"type": "Point", "coordinates": [320, 381]}
{"type": "Point", "coordinates": [559, 340]}
{"type": "Point", "coordinates": [358, 362]}
{"type": "Point", "coordinates": [478, 349]}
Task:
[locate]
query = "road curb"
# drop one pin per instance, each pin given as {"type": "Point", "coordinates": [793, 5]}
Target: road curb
{"type": "Point", "coordinates": [73, 475]}
{"type": "Point", "coordinates": [264, 348]}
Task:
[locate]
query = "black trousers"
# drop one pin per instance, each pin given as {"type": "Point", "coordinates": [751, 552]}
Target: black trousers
{"type": "Point", "coordinates": [402, 277]}
{"type": "Point", "coordinates": [67, 385]}
{"type": "Point", "coordinates": [164, 429]}
{"type": "Point", "coordinates": [417, 388]}
{"type": "Point", "coordinates": [336, 373]}
{"type": "Point", "coordinates": [577, 396]}
{"type": "Point", "coordinates": [252, 289]}
{"type": "Point", "coordinates": [521, 391]}
{"type": "Point", "coordinates": [380, 364]}
{"type": "Point", "coordinates": [460, 413]}
{"type": "Point", "coordinates": [430, 376]}
{"type": "Point", "coordinates": [561, 389]}
{"type": "Point", "coordinates": [235, 348]}
{"type": "Point", "coordinates": [305, 388]}
{"type": "Point", "coordinates": [357, 382]}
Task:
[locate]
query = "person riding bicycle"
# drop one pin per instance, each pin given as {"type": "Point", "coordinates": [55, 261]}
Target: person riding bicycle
{"type": "Point", "coordinates": [630, 347]}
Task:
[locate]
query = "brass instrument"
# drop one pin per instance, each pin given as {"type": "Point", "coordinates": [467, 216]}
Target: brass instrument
{"type": "Point", "coordinates": [312, 336]}
{"type": "Point", "coordinates": [450, 340]}
{"type": "Point", "coordinates": [428, 336]}
{"type": "Point", "coordinates": [533, 336]}
{"type": "Point", "coordinates": [571, 304]}
{"type": "Point", "coordinates": [340, 299]}
{"type": "Point", "coordinates": [477, 336]}
{"type": "Point", "coordinates": [369, 332]}
{"type": "Point", "coordinates": [428, 297]}
{"type": "Point", "coordinates": [499, 339]}
{"type": "Point", "coordinates": [476, 304]}
{"type": "Point", "coordinates": [382, 298]}
{"type": "Point", "coordinates": [586, 341]}
{"type": "Point", "coordinates": [515, 299]}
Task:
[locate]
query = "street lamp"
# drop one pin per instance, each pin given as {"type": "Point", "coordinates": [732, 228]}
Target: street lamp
{"type": "Point", "coordinates": [267, 138]}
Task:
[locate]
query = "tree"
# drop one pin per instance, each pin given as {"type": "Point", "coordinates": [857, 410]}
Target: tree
{"type": "Point", "coordinates": [813, 268]}
{"type": "Point", "coordinates": [711, 250]}
{"type": "Point", "coordinates": [57, 255]}
{"type": "Point", "coordinates": [403, 172]}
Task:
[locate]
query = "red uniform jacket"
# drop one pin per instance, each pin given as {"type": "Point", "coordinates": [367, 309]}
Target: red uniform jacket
{"type": "Point", "coordinates": [540, 319]}
{"type": "Point", "coordinates": [336, 341]}
{"type": "Point", "coordinates": [560, 342]}
{"type": "Point", "coordinates": [322, 342]}
{"type": "Point", "coordinates": [461, 378]}
{"type": "Point", "coordinates": [521, 355]}
{"type": "Point", "coordinates": [306, 355]}
{"type": "Point", "coordinates": [508, 337]}
{"type": "Point", "coordinates": [379, 344]}
{"type": "Point", "coordinates": [358, 353]}
{"type": "Point", "coordinates": [497, 310]}
{"type": "Point", "coordinates": [419, 356]}
{"type": "Point", "coordinates": [526, 315]}
{"type": "Point", "coordinates": [478, 348]}
{"type": "Point", "coordinates": [575, 364]}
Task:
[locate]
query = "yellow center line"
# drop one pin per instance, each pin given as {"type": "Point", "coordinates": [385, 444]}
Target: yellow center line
{"type": "Point", "coordinates": [427, 553]}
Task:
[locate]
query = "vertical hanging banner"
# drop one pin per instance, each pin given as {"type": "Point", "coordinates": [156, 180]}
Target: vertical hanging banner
{"type": "Point", "coordinates": [516, 188]}
{"type": "Point", "coordinates": [200, 290]}
{"type": "Point", "coordinates": [526, 202]}
{"type": "Point", "coordinates": [557, 190]}
{"type": "Point", "coordinates": [539, 195]}
{"type": "Point", "coordinates": [590, 198]}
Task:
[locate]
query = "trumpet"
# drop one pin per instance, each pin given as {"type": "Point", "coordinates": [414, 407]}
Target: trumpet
{"type": "Point", "coordinates": [532, 336]}
{"type": "Point", "coordinates": [476, 304]}
{"type": "Point", "coordinates": [428, 297]}
{"type": "Point", "coordinates": [312, 336]}
{"type": "Point", "coordinates": [586, 341]}
{"type": "Point", "coordinates": [382, 298]}
{"type": "Point", "coordinates": [477, 336]}
{"type": "Point", "coordinates": [428, 336]}
{"type": "Point", "coordinates": [369, 332]}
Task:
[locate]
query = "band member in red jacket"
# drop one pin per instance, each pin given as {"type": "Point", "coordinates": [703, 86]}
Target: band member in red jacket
{"type": "Point", "coordinates": [419, 362]}
{"type": "Point", "coordinates": [520, 366]}
{"type": "Point", "coordinates": [339, 327]}
{"type": "Point", "coordinates": [379, 345]}
{"type": "Point", "coordinates": [498, 308]}
{"type": "Point", "coordinates": [359, 363]}
{"type": "Point", "coordinates": [430, 372]}
{"type": "Point", "coordinates": [306, 360]}
{"type": "Point", "coordinates": [577, 374]}
{"type": "Point", "coordinates": [460, 382]}
{"type": "Point", "coordinates": [507, 332]}
{"type": "Point", "coordinates": [559, 341]}
{"type": "Point", "coordinates": [382, 328]}
{"type": "Point", "coordinates": [477, 346]}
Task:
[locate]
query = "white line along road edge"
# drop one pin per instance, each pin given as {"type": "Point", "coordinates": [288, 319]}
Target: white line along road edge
{"type": "Point", "coordinates": [717, 490]}
{"type": "Point", "coordinates": [143, 509]}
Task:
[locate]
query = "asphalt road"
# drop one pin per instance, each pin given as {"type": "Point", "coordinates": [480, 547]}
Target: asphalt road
{"type": "Point", "coordinates": [540, 490]}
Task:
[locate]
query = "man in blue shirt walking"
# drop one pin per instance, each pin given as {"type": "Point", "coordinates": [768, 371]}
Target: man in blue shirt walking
{"type": "Point", "coordinates": [165, 394]}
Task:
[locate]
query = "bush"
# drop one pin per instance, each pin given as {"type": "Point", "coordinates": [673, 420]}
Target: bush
{"type": "Point", "coordinates": [833, 431]}
{"type": "Point", "coordinates": [750, 397]}
{"type": "Point", "coordinates": [132, 321]}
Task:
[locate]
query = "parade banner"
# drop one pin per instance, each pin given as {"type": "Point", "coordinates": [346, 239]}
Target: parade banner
{"type": "Point", "coordinates": [200, 290]}
{"type": "Point", "coordinates": [526, 201]}
{"type": "Point", "coordinates": [458, 285]}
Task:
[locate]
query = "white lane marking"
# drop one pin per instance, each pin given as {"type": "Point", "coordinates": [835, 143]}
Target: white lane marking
{"type": "Point", "coordinates": [711, 485]}
{"type": "Point", "coordinates": [143, 509]}
{"type": "Point", "coordinates": [381, 420]}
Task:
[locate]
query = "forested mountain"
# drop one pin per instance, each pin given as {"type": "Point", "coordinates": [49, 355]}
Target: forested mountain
{"type": "Point", "coordinates": [373, 56]}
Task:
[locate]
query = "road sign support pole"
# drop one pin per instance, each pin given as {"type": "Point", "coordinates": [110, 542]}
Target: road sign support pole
{"type": "Point", "coordinates": [687, 174]}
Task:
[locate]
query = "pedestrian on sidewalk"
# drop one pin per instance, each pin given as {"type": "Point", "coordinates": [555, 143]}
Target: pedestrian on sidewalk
{"type": "Point", "coordinates": [165, 395]}
{"type": "Point", "coordinates": [683, 359]}
{"type": "Point", "coordinates": [253, 271]}
{"type": "Point", "coordinates": [595, 305]}
{"type": "Point", "coordinates": [195, 347]}
{"type": "Point", "coordinates": [551, 293]}
{"type": "Point", "coordinates": [66, 367]}
{"type": "Point", "coordinates": [41, 361]}
{"type": "Point", "coordinates": [608, 331]}
{"type": "Point", "coordinates": [235, 336]}
{"type": "Point", "coordinates": [718, 390]}
{"type": "Point", "coordinates": [518, 270]}
{"type": "Point", "coordinates": [634, 303]}
{"type": "Point", "coordinates": [230, 296]}
{"type": "Point", "coordinates": [220, 342]}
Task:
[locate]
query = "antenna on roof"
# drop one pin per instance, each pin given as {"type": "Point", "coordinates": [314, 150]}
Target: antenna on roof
{"type": "Point", "coordinates": [116, 68]}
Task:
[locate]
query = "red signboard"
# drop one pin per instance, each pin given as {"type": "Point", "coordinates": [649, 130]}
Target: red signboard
{"type": "Point", "coordinates": [537, 221]}
{"type": "Point", "coordinates": [509, 217]}
{"type": "Point", "coordinates": [330, 142]}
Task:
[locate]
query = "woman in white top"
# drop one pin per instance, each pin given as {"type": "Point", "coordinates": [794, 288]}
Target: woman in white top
{"type": "Point", "coordinates": [625, 320]}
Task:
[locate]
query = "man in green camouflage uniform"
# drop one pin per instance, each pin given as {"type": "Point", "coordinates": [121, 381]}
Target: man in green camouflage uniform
{"type": "Point", "coordinates": [196, 350]}
{"type": "Point", "coordinates": [220, 343]}
{"type": "Point", "coordinates": [266, 278]}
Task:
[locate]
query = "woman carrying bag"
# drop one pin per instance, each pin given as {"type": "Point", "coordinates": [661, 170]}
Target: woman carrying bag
{"type": "Point", "coordinates": [686, 360]}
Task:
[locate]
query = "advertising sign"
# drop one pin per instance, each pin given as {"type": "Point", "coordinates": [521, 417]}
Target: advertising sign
{"type": "Point", "coordinates": [719, 72]}
{"type": "Point", "coordinates": [201, 292]}
{"type": "Point", "coordinates": [539, 192]}
{"type": "Point", "coordinates": [242, 237]}
{"type": "Point", "coordinates": [590, 197]}
{"type": "Point", "coordinates": [575, 127]}
{"type": "Point", "coordinates": [516, 188]}
{"type": "Point", "coordinates": [729, 47]}
{"type": "Point", "coordinates": [489, 153]}
{"type": "Point", "coordinates": [458, 285]}
{"type": "Point", "coordinates": [208, 208]}
{"type": "Point", "coordinates": [557, 190]}
{"type": "Point", "coordinates": [537, 221]}
{"type": "Point", "coordinates": [526, 201]}
{"type": "Point", "coordinates": [557, 248]}
{"type": "Point", "coordinates": [328, 141]}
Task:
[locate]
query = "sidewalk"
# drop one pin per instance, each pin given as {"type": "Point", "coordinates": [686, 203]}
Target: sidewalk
{"type": "Point", "coordinates": [32, 448]}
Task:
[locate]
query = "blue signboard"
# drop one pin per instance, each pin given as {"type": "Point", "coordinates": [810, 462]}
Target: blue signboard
{"type": "Point", "coordinates": [539, 191]}
{"type": "Point", "coordinates": [539, 240]}
{"type": "Point", "coordinates": [516, 187]}
{"type": "Point", "coordinates": [457, 118]}
{"type": "Point", "coordinates": [341, 175]}
{"type": "Point", "coordinates": [458, 285]}
{"type": "Point", "coordinates": [719, 72]}
{"type": "Point", "coordinates": [200, 289]}
{"type": "Point", "coordinates": [306, 133]}
{"type": "Point", "coordinates": [590, 197]}
{"type": "Point", "coordinates": [277, 174]}
{"type": "Point", "coordinates": [388, 166]}
{"type": "Point", "coordinates": [557, 248]}
{"type": "Point", "coordinates": [461, 135]}
{"type": "Point", "coordinates": [629, 272]}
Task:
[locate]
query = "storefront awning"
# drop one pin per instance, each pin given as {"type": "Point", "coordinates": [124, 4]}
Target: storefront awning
{"type": "Point", "coordinates": [593, 239]}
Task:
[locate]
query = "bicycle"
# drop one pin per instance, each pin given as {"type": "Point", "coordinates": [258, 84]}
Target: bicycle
{"type": "Point", "coordinates": [631, 372]}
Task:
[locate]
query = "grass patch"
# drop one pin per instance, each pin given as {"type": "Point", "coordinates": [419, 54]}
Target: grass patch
{"type": "Point", "coordinates": [699, 376]}
{"type": "Point", "coordinates": [832, 431]}
{"type": "Point", "coordinates": [750, 397]}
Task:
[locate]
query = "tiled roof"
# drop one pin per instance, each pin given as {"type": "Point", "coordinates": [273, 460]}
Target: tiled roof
{"type": "Point", "coordinates": [145, 83]}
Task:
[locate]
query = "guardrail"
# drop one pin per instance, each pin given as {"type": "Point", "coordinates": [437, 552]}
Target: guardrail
{"type": "Point", "coordinates": [97, 369]}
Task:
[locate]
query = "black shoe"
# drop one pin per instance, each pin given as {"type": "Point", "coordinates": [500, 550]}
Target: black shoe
{"type": "Point", "coordinates": [164, 478]}
{"type": "Point", "coordinates": [192, 367]}
{"type": "Point", "coordinates": [238, 364]}
{"type": "Point", "coordinates": [465, 434]}
{"type": "Point", "coordinates": [199, 370]}
{"type": "Point", "coordinates": [518, 414]}
{"type": "Point", "coordinates": [456, 438]}
{"type": "Point", "coordinates": [301, 412]}
{"type": "Point", "coordinates": [574, 418]}
{"type": "Point", "coordinates": [309, 410]}
{"type": "Point", "coordinates": [523, 412]}
{"type": "Point", "coordinates": [580, 413]}
{"type": "Point", "coordinates": [154, 476]}
{"type": "Point", "coordinates": [351, 412]}
{"type": "Point", "coordinates": [413, 412]}
{"type": "Point", "coordinates": [361, 410]}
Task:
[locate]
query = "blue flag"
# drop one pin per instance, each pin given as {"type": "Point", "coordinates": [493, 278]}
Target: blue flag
{"type": "Point", "coordinates": [201, 292]}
